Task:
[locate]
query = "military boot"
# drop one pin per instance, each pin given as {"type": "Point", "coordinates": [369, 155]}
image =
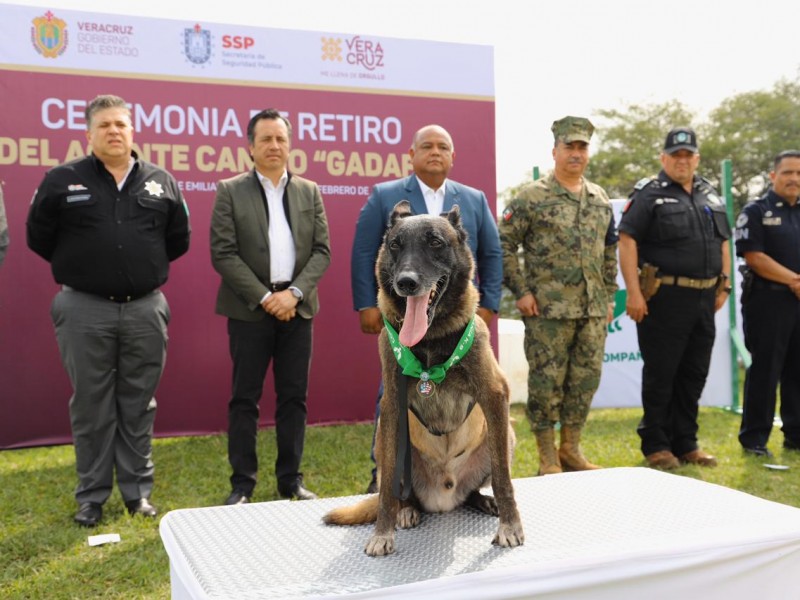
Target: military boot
{"type": "Point", "coordinates": [548, 457]}
{"type": "Point", "coordinates": [570, 453]}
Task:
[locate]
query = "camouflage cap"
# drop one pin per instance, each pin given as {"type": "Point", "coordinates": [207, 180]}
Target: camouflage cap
{"type": "Point", "coordinates": [572, 129]}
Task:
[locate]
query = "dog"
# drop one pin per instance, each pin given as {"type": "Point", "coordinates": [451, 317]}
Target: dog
{"type": "Point", "coordinates": [459, 429]}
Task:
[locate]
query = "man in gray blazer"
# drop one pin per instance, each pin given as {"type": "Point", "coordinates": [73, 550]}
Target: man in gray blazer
{"type": "Point", "coordinates": [270, 244]}
{"type": "Point", "coordinates": [430, 192]}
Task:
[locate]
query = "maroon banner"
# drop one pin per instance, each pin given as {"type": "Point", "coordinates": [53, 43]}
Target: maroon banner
{"type": "Point", "coordinates": [344, 141]}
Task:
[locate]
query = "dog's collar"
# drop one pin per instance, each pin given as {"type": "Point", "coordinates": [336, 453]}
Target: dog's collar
{"type": "Point", "coordinates": [413, 367]}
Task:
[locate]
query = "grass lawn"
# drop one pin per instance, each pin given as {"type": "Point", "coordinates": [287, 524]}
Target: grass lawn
{"type": "Point", "coordinates": [44, 555]}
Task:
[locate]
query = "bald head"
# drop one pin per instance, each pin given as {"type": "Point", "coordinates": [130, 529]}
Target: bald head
{"type": "Point", "coordinates": [432, 155]}
{"type": "Point", "coordinates": [428, 130]}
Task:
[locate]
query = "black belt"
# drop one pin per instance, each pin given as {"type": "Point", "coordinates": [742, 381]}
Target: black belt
{"type": "Point", "coordinates": [126, 299]}
{"type": "Point", "coordinates": [280, 286]}
{"type": "Point", "coordinates": [121, 299]}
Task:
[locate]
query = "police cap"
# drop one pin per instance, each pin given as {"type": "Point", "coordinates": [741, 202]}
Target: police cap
{"type": "Point", "coordinates": [681, 138]}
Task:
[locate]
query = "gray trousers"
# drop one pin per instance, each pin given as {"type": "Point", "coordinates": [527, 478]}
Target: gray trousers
{"type": "Point", "coordinates": [114, 355]}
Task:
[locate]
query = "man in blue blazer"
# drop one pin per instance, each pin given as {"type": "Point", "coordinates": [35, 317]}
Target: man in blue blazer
{"type": "Point", "coordinates": [430, 192]}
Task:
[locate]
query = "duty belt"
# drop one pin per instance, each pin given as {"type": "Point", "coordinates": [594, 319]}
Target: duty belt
{"type": "Point", "coordinates": [688, 282]}
{"type": "Point", "coordinates": [279, 286]}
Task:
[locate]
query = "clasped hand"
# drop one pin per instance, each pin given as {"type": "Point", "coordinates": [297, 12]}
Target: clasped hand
{"type": "Point", "coordinates": [281, 305]}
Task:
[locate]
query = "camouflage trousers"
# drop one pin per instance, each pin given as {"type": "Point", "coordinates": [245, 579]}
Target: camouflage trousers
{"type": "Point", "coordinates": [565, 358]}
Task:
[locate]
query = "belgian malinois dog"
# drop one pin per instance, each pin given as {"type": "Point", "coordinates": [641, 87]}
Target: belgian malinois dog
{"type": "Point", "coordinates": [460, 435]}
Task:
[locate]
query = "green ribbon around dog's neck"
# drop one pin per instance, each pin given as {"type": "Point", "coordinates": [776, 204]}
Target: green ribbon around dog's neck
{"type": "Point", "coordinates": [413, 367]}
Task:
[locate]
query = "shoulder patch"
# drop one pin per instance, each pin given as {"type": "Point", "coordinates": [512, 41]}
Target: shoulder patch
{"type": "Point", "coordinates": [627, 205]}
{"type": "Point", "coordinates": [508, 213]}
{"type": "Point", "coordinates": [741, 221]}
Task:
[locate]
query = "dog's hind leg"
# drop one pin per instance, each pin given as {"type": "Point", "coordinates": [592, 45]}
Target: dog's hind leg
{"type": "Point", "coordinates": [408, 516]}
{"type": "Point", "coordinates": [482, 502]}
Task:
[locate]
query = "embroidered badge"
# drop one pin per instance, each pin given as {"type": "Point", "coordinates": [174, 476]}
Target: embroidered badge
{"type": "Point", "coordinates": [154, 188]}
{"type": "Point", "coordinates": [741, 221]}
{"type": "Point", "coordinates": [508, 213]}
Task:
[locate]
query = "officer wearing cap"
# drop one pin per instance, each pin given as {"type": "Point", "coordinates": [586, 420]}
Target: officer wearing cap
{"type": "Point", "coordinates": [675, 223]}
{"type": "Point", "coordinates": [768, 237]}
{"type": "Point", "coordinates": [565, 289]}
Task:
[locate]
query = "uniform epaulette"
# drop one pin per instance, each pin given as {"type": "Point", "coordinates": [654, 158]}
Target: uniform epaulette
{"type": "Point", "coordinates": [641, 184]}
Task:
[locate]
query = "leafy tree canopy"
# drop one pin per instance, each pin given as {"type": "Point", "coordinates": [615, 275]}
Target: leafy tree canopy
{"type": "Point", "coordinates": [749, 128]}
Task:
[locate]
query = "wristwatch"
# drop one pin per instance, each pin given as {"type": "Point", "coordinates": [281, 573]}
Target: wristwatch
{"type": "Point", "coordinates": [296, 293]}
{"type": "Point", "coordinates": [727, 288]}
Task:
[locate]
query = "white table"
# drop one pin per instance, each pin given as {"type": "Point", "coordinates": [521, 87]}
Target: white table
{"type": "Point", "coordinates": [614, 533]}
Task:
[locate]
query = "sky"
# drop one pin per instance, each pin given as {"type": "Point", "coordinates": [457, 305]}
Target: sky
{"type": "Point", "coordinates": [552, 58]}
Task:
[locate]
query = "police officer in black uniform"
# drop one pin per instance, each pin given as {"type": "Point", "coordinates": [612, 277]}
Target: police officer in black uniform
{"type": "Point", "coordinates": [677, 224]}
{"type": "Point", "coordinates": [768, 237]}
{"type": "Point", "coordinates": [109, 224]}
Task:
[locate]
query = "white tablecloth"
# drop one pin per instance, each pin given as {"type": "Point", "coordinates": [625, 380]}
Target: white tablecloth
{"type": "Point", "coordinates": [613, 533]}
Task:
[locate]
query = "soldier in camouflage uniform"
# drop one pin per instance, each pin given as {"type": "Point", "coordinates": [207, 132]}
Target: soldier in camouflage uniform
{"type": "Point", "coordinates": [564, 281]}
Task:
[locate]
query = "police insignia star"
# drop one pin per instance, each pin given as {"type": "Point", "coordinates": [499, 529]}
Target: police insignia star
{"type": "Point", "coordinates": [154, 188]}
{"type": "Point", "coordinates": [508, 213]}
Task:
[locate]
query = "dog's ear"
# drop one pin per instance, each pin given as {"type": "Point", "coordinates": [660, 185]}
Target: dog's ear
{"type": "Point", "coordinates": [401, 210]}
{"type": "Point", "coordinates": [454, 217]}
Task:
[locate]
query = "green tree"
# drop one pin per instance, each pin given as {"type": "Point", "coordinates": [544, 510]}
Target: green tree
{"type": "Point", "coordinates": [630, 140]}
{"type": "Point", "coordinates": [750, 129]}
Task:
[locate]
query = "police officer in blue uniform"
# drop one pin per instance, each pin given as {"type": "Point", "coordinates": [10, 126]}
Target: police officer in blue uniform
{"type": "Point", "coordinates": [676, 223]}
{"type": "Point", "coordinates": [768, 238]}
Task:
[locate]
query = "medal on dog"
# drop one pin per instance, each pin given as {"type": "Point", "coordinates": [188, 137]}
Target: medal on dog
{"type": "Point", "coordinates": [425, 387]}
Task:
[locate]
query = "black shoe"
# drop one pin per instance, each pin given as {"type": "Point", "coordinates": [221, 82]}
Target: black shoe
{"type": "Point", "coordinates": [372, 488]}
{"type": "Point", "coordinates": [758, 451]}
{"type": "Point", "coordinates": [89, 514]}
{"type": "Point", "coordinates": [296, 490]}
{"type": "Point", "coordinates": [142, 507]}
{"type": "Point", "coordinates": [237, 497]}
{"type": "Point", "coordinates": [790, 445]}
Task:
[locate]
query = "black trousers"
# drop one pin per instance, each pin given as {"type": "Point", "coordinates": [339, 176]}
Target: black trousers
{"type": "Point", "coordinates": [771, 320]}
{"type": "Point", "coordinates": [675, 339]}
{"type": "Point", "coordinates": [287, 344]}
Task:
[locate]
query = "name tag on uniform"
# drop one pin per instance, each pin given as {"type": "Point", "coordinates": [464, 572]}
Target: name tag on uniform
{"type": "Point", "coordinates": [666, 201]}
{"type": "Point", "coordinates": [78, 198]}
{"type": "Point", "coordinates": [771, 221]}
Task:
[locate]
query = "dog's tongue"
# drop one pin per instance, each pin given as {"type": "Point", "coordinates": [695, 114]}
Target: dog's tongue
{"type": "Point", "coordinates": [415, 323]}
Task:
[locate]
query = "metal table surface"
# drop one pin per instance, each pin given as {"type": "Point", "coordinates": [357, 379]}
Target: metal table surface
{"type": "Point", "coordinates": [610, 531]}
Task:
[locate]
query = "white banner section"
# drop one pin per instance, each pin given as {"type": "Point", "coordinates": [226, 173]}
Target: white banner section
{"type": "Point", "coordinates": [621, 381]}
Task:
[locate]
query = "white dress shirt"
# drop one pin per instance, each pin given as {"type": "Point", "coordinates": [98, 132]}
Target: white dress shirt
{"type": "Point", "coordinates": [282, 254]}
{"type": "Point", "coordinates": [434, 199]}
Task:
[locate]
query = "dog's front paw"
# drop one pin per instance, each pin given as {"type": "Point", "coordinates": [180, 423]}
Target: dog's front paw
{"type": "Point", "coordinates": [483, 503]}
{"type": "Point", "coordinates": [380, 545]}
{"type": "Point", "coordinates": [509, 535]}
{"type": "Point", "coordinates": [407, 517]}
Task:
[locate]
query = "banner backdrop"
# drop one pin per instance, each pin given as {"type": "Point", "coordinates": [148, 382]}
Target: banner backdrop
{"type": "Point", "coordinates": [354, 102]}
